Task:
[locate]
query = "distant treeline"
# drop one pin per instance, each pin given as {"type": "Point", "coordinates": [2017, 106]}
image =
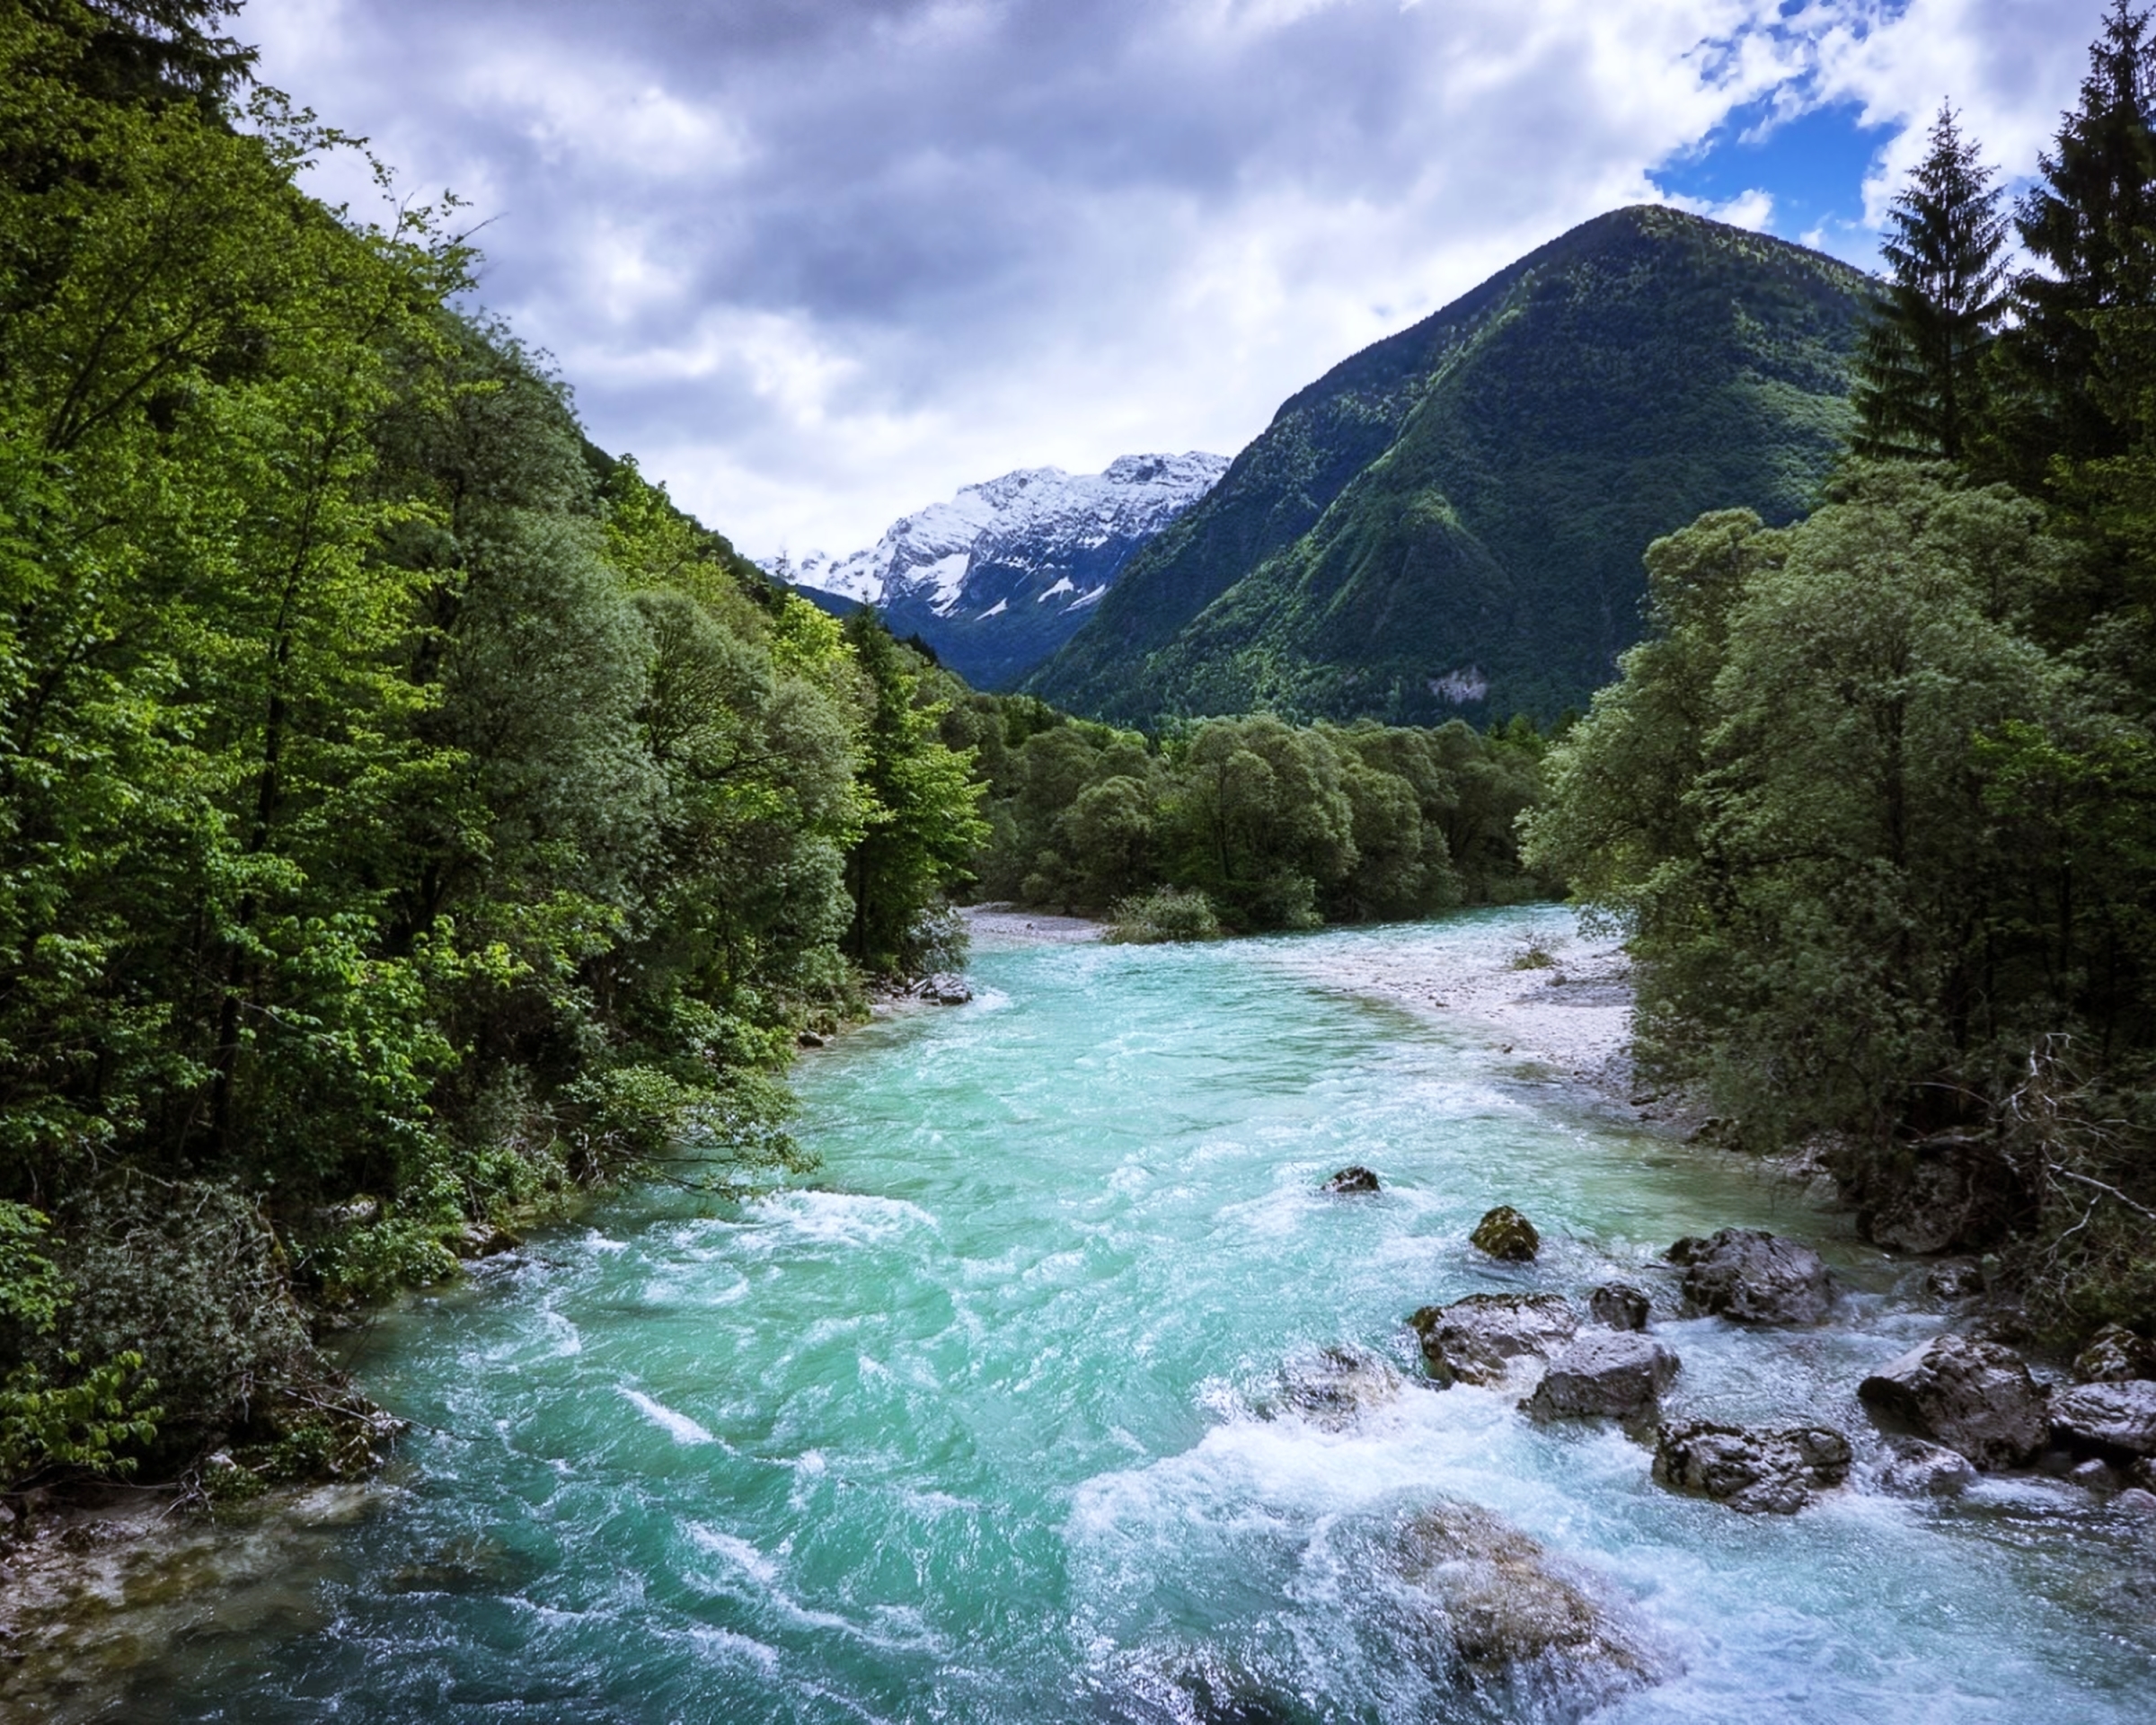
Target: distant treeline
{"type": "Point", "coordinates": [406, 813]}
{"type": "Point", "coordinates": [1279, 826]}
{"type": "Point", "coordinates": [1877, 799]}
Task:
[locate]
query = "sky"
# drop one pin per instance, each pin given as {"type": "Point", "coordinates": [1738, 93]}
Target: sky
{"type": "Point", "coordinates": [818, 264]}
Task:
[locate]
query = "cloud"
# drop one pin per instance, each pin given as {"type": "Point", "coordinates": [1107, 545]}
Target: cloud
{"type": "Point", "coordinates": [820, 261]}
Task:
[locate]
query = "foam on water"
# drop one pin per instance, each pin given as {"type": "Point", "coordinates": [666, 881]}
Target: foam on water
{"type": "Point", "coordinates": [986, 1423]}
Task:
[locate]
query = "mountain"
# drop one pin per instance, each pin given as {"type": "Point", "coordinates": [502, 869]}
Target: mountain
{"type": "Point", "coordinates": [1451, 522]}
{"type": "Point", "coordinates": [998, 578]}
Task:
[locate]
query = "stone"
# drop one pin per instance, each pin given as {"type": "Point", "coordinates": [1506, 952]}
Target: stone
{"type": "Point", "coordinates": [812, 1039]}
{"type": "Point", "coordinates": [1352, 1181]}
{"type": "Point", "coordinates": [484, 1240]}
{"type": "Point", "coordinates": [1604, 1373]}
{"type": "Point", "coordinates": [1754, 1470]}
{"type": "Point", "coordinates": [1333, 1387]}
{"type": "Point", "coordinates": [1976, 1397]}
{"type": "Point", "coordinates": [2092, 1475]}
{"type": "Point", "coordinates": [2113, 1421]}
{"type": "Point", "coordinates": [1504, 1605]}
{"type": "Point", "coordinates": [1476, 1340]}
{"type": "Point", "coordinates": [946, 990]}
{"type": "Point", "coordinates": [1920, 1470]}
{"type": "Point", "coordinates": [1752, 1277]}
{"type": "Point", "coordinates": [2115, 1354]}
{"type": "Point", "coordinates": [1957, 1280]}
{"type": "Point", "coordinates": [1506, 1234]}
{"type": "Point", "coordinates": [1618, 1305]}
{"type": "Point", "coordinates": [2135, 1501]}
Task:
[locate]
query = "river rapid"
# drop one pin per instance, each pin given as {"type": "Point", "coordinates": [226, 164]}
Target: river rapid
{"type": "Point", "coordinates": [983, 1420]}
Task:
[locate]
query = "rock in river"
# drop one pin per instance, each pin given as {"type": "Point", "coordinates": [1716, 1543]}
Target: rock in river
{"type": "Point", "coordinates": [2112, 1421]}
{"type": "Point", "coordinates": [1506, 1234]}
{"type": "Point", "coordinates": [1618, 1305]}
{"type": "Point", "coordinates": [1332, 1387]}
{"type": "Point", "coordinates": [1753, 1277]}
{"type": "Point", "coordinates": [2115, 1354]}
{"type": "Point", "coordinates": [1920, 1470]}
{"type": "Point", "coordinates": [1507, 1611]}
{"type": "Point", "coordinates": [1976, 1397]}
{"type": "Point", "coordinates": [1757, 1472]}
{"type": "Point", "coordinates": [1477, 1339]}
{"type": "Point", "coordinates": [1604, 1373]}
{"type": "Point", "coordinates": [1351, 1180]}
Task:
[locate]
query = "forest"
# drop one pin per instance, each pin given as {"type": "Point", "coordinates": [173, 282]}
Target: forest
{"type": "Point", "coordinates": [1875, 801]}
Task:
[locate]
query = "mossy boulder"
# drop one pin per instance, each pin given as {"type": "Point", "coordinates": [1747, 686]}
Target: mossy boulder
{"type": "Point", "coordinates": [1506, 1236]}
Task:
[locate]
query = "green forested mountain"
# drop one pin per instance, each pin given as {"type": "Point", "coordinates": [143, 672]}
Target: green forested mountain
{"type": "Point", "coordinates": [1451, 521]}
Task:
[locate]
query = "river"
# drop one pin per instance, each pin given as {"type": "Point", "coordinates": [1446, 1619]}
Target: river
{"type": "Point", "coordinates": [981, 1421]}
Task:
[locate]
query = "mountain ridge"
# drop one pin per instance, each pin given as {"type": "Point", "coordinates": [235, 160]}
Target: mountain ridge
{"type": "Point", "coordinates": [1450, 520]}
{"type": "Point", "coordinates": [997, 577]}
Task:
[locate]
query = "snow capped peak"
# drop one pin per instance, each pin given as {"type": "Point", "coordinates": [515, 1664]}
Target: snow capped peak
{"type": "Point", "coordinates": [1001, 575]}
{"type": "Point", "coordinates": [1045, 507]}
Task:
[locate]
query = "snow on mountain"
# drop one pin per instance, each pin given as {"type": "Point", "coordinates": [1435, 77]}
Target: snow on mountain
{"type": "Point", "coordinates": [999, 577]}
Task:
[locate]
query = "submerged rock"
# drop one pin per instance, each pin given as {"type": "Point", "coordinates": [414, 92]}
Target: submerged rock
{"type": "Point", "coordinates": [1506, 1234]}
{"type": "Point", "coordinates": [1618, 1305]}
{"type": "Point", "coordinates": [2112, 1421]}
{"type": "Point", "coordinates": [1752, 1277]}
{"type": "Point", "coordinates": [1921, 1470]}
{"type": "Point", "coordinates": [1757, 1472]}
{"type": "Point", "coordinates": [1476, 1340]}
{"type": "Point", "coordinates": [1976, 1397]}
{"type": "Point", "coordinates": [1351, 1180]}
{"type": "Point", "coordinates": [2115, 1354]}
{"type": "Point", "coordinates": [1507, 1610]}
{"type": "Point", "coordinates": [1335, 1387]}
{"type": "Point", "coordinates": [1604, 1373]}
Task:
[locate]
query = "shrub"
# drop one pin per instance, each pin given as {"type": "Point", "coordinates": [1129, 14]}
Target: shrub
{"type": "Point", "coordinates": [1169, 914]}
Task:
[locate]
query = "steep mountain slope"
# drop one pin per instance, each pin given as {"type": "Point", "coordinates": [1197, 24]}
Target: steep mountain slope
{"type": "Point", "coordinates": [998, 578]}
{"type": "Point", "coordinates": [1452, 520]}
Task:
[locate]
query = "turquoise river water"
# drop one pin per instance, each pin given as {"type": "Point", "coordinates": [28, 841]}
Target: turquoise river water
{"type": "Point", "coordinates": [981, 1422]}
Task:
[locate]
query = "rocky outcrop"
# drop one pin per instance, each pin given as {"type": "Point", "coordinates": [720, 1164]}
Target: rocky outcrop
{"type": "Point", "coordinates": [1604, 1373]}
{"type": "Point", "coordinates": [1335, 1387]}
{"type": "Point", "coordinates": [1618, 1305]}
{"type": "Point", "coordinates": [1957, 1280]}
{"type": "Point", "coordinates": [1504, 1233]}
{"type": "Point", "coordinates": [1351, 1182]}
{"type": "Point", "coordinates": [2113, 1422]}
{"type": "Point", "coordinates": [2115, 1354]}
{"type": "Point", "coordinates": [1752, 1277]}
{"type": "Point", "coordinates": [1506, 1607]}
{"type": "Point", "coordinates": [1757, 1472]}
{"type": "Point", "coordinates": [1915, 1469]}
{"type": "Point", "coordinates": [1476, 1340]}
{"type": "Point", "coordinates": [1976, 1397]}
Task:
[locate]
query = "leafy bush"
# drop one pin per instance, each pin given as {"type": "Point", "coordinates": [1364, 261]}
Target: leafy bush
{"type": "Point", "coordinates": [1166, 914]}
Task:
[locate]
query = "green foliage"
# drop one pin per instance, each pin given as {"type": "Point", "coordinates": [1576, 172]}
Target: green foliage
{"type": "Point", "coordinates": [1451, 521]}
{"type": "Point", "coordinates": [1164, 914]}
{"type": "Point", "coordinates": [1277, 826]}
{"type": "Point", "coordinates": [1920, 373]}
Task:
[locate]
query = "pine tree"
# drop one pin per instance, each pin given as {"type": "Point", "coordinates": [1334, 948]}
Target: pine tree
{"type": "Point", "coordinates": [2089, 222]}
{"type": "Point", "coordinates": [1919, 388]}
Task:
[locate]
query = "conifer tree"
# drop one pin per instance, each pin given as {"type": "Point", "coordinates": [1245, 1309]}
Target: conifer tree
{"type": "Point", "coordinates": [2090, 223]}
{"type": "Point", "coordinates": [1919, 385]}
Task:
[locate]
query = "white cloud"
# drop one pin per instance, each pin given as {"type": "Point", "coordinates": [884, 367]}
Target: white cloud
{"type": "Point", "coordinates": [819, 262]}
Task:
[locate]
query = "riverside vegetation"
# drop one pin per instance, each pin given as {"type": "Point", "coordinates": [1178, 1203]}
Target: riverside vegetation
{"type": "Point", "coordinates": [411, 817]}
{"type": "Point", "coordinates": [408, 814]}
